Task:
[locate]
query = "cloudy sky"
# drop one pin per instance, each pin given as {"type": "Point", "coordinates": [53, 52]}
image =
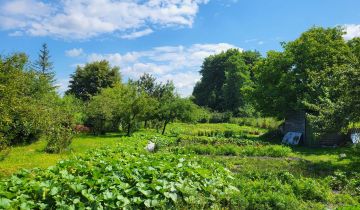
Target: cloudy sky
{"type": "Point", "coordinates": [167, 38]}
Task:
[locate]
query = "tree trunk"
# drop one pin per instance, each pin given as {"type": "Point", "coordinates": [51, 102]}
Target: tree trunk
{"type": "Point", "coordinates": [145, 124]}
{"type": "Point", "coordinates": [128, 129]}
{"type": "Point", "coordinates": [163, 131]}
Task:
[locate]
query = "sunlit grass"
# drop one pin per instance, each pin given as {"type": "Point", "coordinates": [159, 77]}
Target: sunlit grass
{"type": "Point", "coordinates": [302, 161]}
{"type": "Point", "coordinates": [31, 156]}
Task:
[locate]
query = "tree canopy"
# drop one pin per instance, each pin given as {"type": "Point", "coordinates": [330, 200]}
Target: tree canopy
{"type": "Point", "coordinates": [30, 108]}
{"type": "Point", "coordinates": [88, 81]}
{"type": "Point", "coordinates": [225, 77]}
{"type": "Point", "coordinates": [314, 73]}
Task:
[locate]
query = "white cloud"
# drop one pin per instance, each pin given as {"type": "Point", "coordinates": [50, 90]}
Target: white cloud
{"type": "Point", "coordinates": [76, 52]}
{"type": "Point", "coordinates": [137, 34]}
{"type": "Point", "coordinates": [16, 33]}
{"type": "Point", "coordinates": [177, 63]}
{"type": "Point", "coordinates": [352, 31]}
{"type": "Point", "coordinates": [82, 19]}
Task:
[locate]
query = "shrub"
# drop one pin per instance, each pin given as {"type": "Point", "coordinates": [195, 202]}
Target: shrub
{"type": "Point", "coordinates": [272, 136]}
{"type": "Point", "coordinates": [4, 148]}
{"type": "Point", "coordinates": [59, 139]}
{"type": "Point", "coordinates": [217, 117]}
{"type": "Point", "coordinates": [81, 129]}
{"type": "Point", "coordinates": [228, 133]}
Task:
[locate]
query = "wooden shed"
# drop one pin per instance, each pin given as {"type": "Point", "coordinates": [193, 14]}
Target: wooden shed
{"type": "Point", "coordinates": [298, 121]}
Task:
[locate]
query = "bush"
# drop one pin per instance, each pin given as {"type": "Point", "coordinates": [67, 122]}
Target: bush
{"type": "Point", "coordinates": [59, 139]}
{"type": "Point", "coordinates": [81, 129]}
{"type": "Point", "coordinates": [228, 133]}
{"type": "Point", "coordinates": [4, 148]}
{"type": "Point", "coordinates": [24, 101]}
{"type": "Point", "coordinates": [272, 136]}
{"type": "Point", "coordinates": [217, 117]}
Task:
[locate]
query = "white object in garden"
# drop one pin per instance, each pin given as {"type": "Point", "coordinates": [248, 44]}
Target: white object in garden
{"type": "Point", "coordinates": [292, 138]}
{"type": "Point", "coordinates": [355, 138]}
{"type": "Point", "coordinates": [150, 147]}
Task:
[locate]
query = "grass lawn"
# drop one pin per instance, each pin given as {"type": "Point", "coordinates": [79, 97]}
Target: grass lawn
{"type": "Point", "coordinates": [31, 156]}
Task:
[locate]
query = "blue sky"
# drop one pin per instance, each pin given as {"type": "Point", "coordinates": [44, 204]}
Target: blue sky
{"type": "Point", "coordinates": [167, 38]}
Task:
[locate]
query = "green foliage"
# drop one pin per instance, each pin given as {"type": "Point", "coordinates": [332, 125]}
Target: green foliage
{"type": "Point", "coordinates": [214, 130]}
{"type": "Point", "coordinates": [266, 176]}
{"type": "Point", "coordinates": [267, 122]}
{"type": "Point", "coordinates": [225, 80]}
{"type": "Point", "coordinates": [88, 81]}
{"type": "Point", "coordinates": [65, 114]}
{"type": "Point", "coordinates": [314, 73]}
{"type": "Point", "coordinates": [59, 139]}
{"type": "Point", "coordinates": [115, 179]}
{"type": "Point", "coordinates": [172, 108]}
{"type": "Point", "coordinates": [123, 105]}
{"type": "Point", "coordinates": [24, 101]}
{"type": "Point", "coordinates": [233, 150]}
{"type": "Point", "coordinates": [217, 117]}
{"type": "Point", "coordinates": [31, 108]}
{"type": "Point", "coordinates": [128, 105]}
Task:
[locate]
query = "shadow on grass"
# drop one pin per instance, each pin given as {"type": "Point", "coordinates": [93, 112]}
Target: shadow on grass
{"type": "Point", "coordinates": [103, 136]}
{"type": "Point", "coordinates": [326, 168]}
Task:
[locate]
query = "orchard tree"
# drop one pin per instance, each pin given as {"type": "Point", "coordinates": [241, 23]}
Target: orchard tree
{"type": "Point", "coordinates": [147, 83]}
{"type": "Point", "coordinates": [176, 108]}
{"type": "Point", "coordinates": [135, 108]}
{"type": "Point", "coordinates": [101, 110]}
{"type": "Point", "coordinates": [87, 81]}
{"type": "Point", "coordinates": [123, 105]}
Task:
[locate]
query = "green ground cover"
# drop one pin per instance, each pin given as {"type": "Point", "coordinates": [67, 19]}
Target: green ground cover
{"type": "Point", "coordinates": [231, 166]}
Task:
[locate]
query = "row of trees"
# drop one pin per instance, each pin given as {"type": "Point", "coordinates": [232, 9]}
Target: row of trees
{"type": "Point", "coordinates": [111, 105]}
{"type": "Point", "coordinates": [318, 73]}
{"type": "Point", "coordinates": [31, 109]}
{"type": "Point", "coordinates": [128, 106]}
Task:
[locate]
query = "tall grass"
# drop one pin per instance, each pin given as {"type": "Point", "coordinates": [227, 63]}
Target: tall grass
{"type": "Point", "coordinates": [266, 123]}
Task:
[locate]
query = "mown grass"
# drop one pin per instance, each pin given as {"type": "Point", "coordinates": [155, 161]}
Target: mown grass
{"type": "Point", "coordinates": [33, 155]}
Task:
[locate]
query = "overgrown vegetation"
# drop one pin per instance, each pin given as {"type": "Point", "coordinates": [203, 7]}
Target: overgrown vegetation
{"type": "Point", "coordinates": [223, 153]}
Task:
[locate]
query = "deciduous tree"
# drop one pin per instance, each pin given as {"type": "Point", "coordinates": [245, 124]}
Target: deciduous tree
{"type": "Point", "coordinates": [88, 81]}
